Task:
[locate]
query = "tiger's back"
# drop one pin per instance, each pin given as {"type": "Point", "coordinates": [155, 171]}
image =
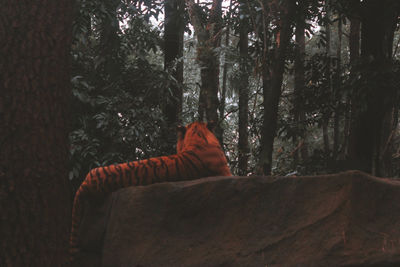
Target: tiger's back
{"type": "Point", "coordinates": [199, 154]}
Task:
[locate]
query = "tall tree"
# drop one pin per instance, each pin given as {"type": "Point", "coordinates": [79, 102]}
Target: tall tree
{"type": "Point", "coordinates": [336, 91]}
{"type": "Point", "coordinates": [299, 79]}
{"type": "Point", "coordinates": [225, 67]}
{"type": "Point", "coordinates": [208, 30]}
{"type": "Point", "coordinates": [326, 113]}
{"type": "Point", "coordinates": [354, 47]}
{"type": "Point", "coordinates": [376, 97]}
{"type": "Point", "coordinates": [173, 52]}
{"type": "Point", "coordinates": [109, 39]}
{"type": "Point", "coordinates": [355, 26]}
{"type": "Point", "coordinates": [35, 196]}
{"type": "Point", "coordinates": [272, 80]}
{"type": "Point", "coordinates": [243, 145]}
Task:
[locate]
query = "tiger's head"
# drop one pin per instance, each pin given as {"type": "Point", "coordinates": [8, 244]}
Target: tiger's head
{"type": "Point", "coordinates": [196, 134]}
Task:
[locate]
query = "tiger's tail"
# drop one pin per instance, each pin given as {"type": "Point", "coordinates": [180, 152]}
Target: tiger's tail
{"type": "Point", "coordinates": [104, 180]}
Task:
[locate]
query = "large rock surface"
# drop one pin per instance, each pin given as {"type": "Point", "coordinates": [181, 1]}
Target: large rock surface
{"type": "Point", "coordinates": [347, 219]}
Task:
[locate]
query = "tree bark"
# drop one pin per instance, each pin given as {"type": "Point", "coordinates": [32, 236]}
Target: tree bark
{"type": "Point", "coordinates": [109, 40]}
{"type": "Point", "coordinates": [337, 96]}
{"type": "Point", "coordinates": [35, 195]}
{"type": "Point", "coordinates": [299, 82]}
{"type": "Point", "coordinates": [374, 102]}
{"type": "Point", "coordinates": [272, 83]}
{"type": "Point", "coordinates": [225, 70]}
{"type": "Point", "coordinates": [224, 80]}
{"type": "Point", "coordinates": [326, 114]}
{"type": "Point", "coordinates": [173, 52]}
{"type": "Point", "coordinates": [355, 26]}
{"type": "Point", "coordinates": [354, 47]}
{"type": "Point", "coordinates": [209, 38]}
{"type": "Point", "coordinates": [243, 145]}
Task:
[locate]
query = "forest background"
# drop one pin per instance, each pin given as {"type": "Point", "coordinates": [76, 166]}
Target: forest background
{"type": "Point", "coordinates": [288, 83]}
{"type": "Point", "coordinates": [296, 87]}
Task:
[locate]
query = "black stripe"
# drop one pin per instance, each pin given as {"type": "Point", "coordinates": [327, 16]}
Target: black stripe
{"type": "Point", "coordinates": [177, 167]}
{"type": "Point", "coordinates": [132, 168]}
{"type": "Point", "coordinates": [191, 163]}
{"type": "Point", "coordinates": [121, 176]}
{"type": "Point", "coordinates": [165, 166]}
{"type": "Point", "coordinates": [106, 179]}
{"type": "Point", "coordinates": [201, 135]}
{"type": "Point", "coordinates": [154, 165]}
{"type": "Point", "coordinates": [95, 179]}
{"type": "Point", "coordinates": [110, 179]}
{"type": "Point", "coordinates": [199, 147]}
{"type": "Point", "coordinates": [145, 175]}
{"type": "Point", "coordinates": [136, 174]}
{"type": "Point", "coordinates": [113, 180]}
{"type": "Point", "coordinates": [102, 181]}
{"type": "Point", "coordinates": [127, 175]}
{"type": "Point", "coordinates": [91, 177]}
{"type": "Point", "coordinates": [131, 165]}
{"type": "Point", "coordinates": [197, 157]}
{"type": "Point", "coordinates": [162, 162]}
{"type": "Point", "coordinates": [130, 178]}
{"type": "Point", "coordinates": [205, 138]}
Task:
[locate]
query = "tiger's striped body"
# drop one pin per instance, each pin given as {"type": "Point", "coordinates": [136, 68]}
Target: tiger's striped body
{"type": "Point", "coordinates": [199, 154]}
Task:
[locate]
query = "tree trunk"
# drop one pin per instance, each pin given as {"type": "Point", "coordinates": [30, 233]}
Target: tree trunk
{"type": "Point", "coordinates": [337, 94]}
{"type": "Point", "coordinates": [243, 83]}
{"type": "Point", "coordinates": [209, 38]}
{"type": "Point", "coordinates": [173, 52]}
{"type": "Point", "coordinates": [225, 71]}
{"type": "Point", "coordinates": [299, 84]}
{"type": "Point", "coordinates": [326, 114]}
{"type": "Point", "coordinates": [374, 102]}
{"type": "Point", "coordinates": [209, 85]}
{"type": "Point", "coordinates": [224, 80]}
{"type": "Point", "coordinates": [355, 26]}
{"type": "Point", "coordinates": [354, 47]}
{"type": "Point", "coordinates": [109, 40]}
{"type": "Point", "coordinates": [222, 101]}
{"type": "Point", "coordinates": [35, 195]}
{"type": "Point", "coordinates": [272, 83]}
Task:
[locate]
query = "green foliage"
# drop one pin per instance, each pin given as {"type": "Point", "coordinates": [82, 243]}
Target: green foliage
{"type": "Point", "coordinates": [119, 84]}
{"type": "Point", "coordinates": [116, 95]}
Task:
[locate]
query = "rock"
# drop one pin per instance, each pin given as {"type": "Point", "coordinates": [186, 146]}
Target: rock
{"type": "Point", "coordinates": [345, 219]}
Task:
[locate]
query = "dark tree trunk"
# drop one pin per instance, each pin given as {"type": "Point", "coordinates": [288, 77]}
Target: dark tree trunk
{"type": "Point", "coordinates": [209, 38]}
{"type": "Point", "coordinates": [35, 195]}
{"type": "Point", "coordinates": [387, 149]}
{"type": "Point", "coordinates": [109, 40]}
{"type": "Point", "coordinates": [272, 83]}
{"type": "Point", "coordinates": [221, 107]}
{"type": "Point", "coordinates": [337, 94]}
{"type": "Point", "coordinates": [326, 113]}
{"type": "Point", "coordinates": [375, 102]}
{"type": "Point", "coordinates": [299, 84]}
{"type": "Point", "coordinates": [354, 47]}
{"type": "Point", "coordinates": [224, 80]}
{"type": "Point", "coordinates": [210, 76]}
{"type": "Point", "coordinates": [225, 72]}
{"type": "Point", "coordinates": [243, 84]}
{"type": "Point", "coordinates": [209, 85]}
{"type": "Point", "coordinates": [355, 26]}
{"type": "Point", "coordinates": [173, 52]}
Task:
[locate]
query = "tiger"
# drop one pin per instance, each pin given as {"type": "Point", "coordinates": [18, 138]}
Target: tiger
{"type": "Point", "coordinates": [199, 154]}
